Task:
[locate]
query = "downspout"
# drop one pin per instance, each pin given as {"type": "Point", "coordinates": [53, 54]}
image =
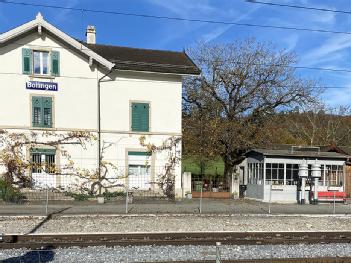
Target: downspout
{"type": "Point", "coordinates": [99, 123]}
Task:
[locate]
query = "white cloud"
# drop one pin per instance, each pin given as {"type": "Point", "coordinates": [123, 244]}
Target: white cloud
{"type": "Point", "coordinates": [60, 16]}
{"type": "Point", "coordinates": [185, 8]}
{"type": "Point", "coordinates": [330, 50]}
{"type": "Point", "coordinates": [336, 97]}
{"type": "Point", "coordinates": [290, 42]}
{"type": "Point", "coordinates": [220, 30]}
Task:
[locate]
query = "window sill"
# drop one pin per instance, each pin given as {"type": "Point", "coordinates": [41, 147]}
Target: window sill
{"type": "Point", "coordinates": [42, 76]}
{"type": "Point", "coordinates": [42, 128]}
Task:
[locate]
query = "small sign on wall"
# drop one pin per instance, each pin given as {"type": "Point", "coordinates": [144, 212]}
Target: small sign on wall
{"type": "Point", "coordinates": [36, 85]}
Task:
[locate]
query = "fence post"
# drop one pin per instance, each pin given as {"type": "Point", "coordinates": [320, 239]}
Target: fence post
{"type": "Point", "coordinates": [127, 197]}
{"type": "Point", "coordinates": [200, 208]}
{"type": "Point", "coordinates": [218, 252]}
{"type": "Point", "coordinates": [334, 203]}
{"type": "Point", "coordinates": [47, 199]}
{"type": "Point", "coordinates": [270, 198]}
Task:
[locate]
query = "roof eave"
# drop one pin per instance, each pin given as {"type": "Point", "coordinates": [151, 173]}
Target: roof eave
{"type": "Point", "coordinates": [39, 21]}
{"type": "Point", "coordinates": [155, 72]}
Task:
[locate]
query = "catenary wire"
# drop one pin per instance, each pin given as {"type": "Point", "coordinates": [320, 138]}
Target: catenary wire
{"type": "Point", "coordinates": [164, 17]}
{"type": "Point", "coordinates": [177, 18]}
{"type": "Point", "coordinates": [162, 65]}
{"type": "Point", "coordinates": [300, 7]}
{"type": "Point", "coordinates": [341, 70]}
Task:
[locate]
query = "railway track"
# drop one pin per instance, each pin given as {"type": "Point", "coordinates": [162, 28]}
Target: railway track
{"type": "Point", "coordinates": [37, 241]}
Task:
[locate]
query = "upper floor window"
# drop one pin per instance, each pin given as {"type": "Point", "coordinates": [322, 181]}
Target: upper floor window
{"type": "Point", "coordinates": [42, 112]}
{"type": "Point", "coordinates": [140, 117]}
{"type": "Point", "coordinates": [41, 62]}
{"type": "Point", "coordinates": [37, 62]}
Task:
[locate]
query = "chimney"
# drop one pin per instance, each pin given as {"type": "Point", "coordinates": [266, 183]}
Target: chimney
{"type": "Point", "coordinates": [91, 35]}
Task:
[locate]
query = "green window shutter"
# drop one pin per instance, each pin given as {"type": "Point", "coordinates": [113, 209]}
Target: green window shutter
{"type": "Point", "coordinates": [140, 117]}
{"type": "Point", "coordinates": [37, 105]}
{"type": "Point", "coordinates": [27, 62]}
{"type": "Point", "coordinates": [55, 63]}
{"type": "Point", "coordinates": [47, 112]}
{"type": "Point", "coordinates": [139, 153]}
{"type": "Point", "coordinates": [42, 112]}
{"type": "Point", "coordinates": [43, 151]}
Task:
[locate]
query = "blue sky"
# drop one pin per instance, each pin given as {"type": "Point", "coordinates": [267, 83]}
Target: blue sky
{"type": "Point", "coordinates": [312, 49]}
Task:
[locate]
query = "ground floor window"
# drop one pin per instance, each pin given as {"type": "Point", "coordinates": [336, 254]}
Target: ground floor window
{"type": "Point", "coordinates": [278, 174]}
{"type": "Point", "coordinates": [292, 174]}
{"type": "Point", "coordinates": [332, 175]}
{"type": "Point", "coordinates": [255, 173]}
{"type": "Point", "coordinates": [275, 173]}
{"type": "Point", "coordinates": [43, 160]}
{"type": "Point", "coordinates": [139, 170]}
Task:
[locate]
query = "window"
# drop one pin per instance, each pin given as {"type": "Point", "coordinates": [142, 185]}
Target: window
{"type": "Point", "coordinates": [275, 173]}
{"type": "Point", "coordinates": [334, 175]}
{"type": "Point", "coordinates": [255, 173]}
{"type": "Point", "coordinates": [39, 62]}
{"type": "Point", "coordinates": [292, 174]}
{"type": "Point", "coordinates": [42, 112]}
{"type": "Point", "coordinates": [43, 160]}
{"type": "Point", "coordinates": [140, 117]}
{"type": "Point", "coordinates": [139, 170]}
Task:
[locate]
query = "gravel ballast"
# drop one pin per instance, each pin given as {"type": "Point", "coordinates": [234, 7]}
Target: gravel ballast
{"type": "Point", "coordinates": [19, 224]}
{"type": "Point", "coordinates": [174, 223]}
{"type": "Point", "coordinates": [175, 253]}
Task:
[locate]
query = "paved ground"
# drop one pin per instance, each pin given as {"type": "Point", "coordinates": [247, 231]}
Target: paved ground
{"type": "Point", "coordinates": [164, 207]}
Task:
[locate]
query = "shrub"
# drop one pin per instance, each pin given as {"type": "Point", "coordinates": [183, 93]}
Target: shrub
{"type": "Point", "coordinates": [109, 195]}
{"type": "Point", "coordinates": [8, 193]}
{"type": "Point", "coordinates": [78, 197]}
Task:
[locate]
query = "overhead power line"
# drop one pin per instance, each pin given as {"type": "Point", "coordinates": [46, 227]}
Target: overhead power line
{"type": "Point", "coordinates": [343, 70]}
{"type": "Point", "coordinates": [318, 30]}
{"type": "Point", "coordinates": [299, 67]}
{"type": "Point", "coordinates": [300, 7]}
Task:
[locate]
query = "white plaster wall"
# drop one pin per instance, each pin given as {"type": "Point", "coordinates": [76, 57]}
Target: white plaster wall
{"type": "Point", "coordinates": [255, 191]}
{"type": "Point", "coordinates": [280, 193]}
{"type": "Point", "coordinates": [77, 87]}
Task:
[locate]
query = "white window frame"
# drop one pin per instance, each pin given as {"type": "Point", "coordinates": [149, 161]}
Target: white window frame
{"type": "Point", "coordinates": [41, 62]}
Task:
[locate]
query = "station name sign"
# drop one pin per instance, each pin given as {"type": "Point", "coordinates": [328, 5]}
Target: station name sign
{"type": "Point", "coordinates": [36, 85]}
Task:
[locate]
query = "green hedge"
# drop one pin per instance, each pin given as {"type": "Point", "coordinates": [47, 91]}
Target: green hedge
{"type": "Point", "coordinates": [215, 167]}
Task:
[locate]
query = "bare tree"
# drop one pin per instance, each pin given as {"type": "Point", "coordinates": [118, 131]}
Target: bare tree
{"type": "Point", "coordinates": [242, 85]}
{"type": "Point", "coordinates": [320, 125]}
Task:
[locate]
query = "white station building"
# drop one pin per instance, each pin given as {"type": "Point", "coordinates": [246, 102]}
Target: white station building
{"type": "Point", "coordinates": [49, 81]}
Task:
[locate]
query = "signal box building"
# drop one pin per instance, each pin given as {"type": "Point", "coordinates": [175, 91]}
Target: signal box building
{"type": "Point", "coordinates": [293, 174]}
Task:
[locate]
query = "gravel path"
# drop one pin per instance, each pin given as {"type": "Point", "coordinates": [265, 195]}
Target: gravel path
{"type": "Point", "coordinates": [173, 253]}
{"type": "Point", "coordinates": [173, 223]}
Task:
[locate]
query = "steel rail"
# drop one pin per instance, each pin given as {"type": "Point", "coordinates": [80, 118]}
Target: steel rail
{"type": "Point", "coordinates": [35, 241]}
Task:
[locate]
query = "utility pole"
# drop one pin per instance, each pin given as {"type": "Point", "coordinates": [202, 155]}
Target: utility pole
{"type": "Point", "coordinates": [99, 124]}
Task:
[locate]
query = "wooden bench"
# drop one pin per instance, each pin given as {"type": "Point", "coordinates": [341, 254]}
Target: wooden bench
{"type": "Point", "coordinates": [328, 196]}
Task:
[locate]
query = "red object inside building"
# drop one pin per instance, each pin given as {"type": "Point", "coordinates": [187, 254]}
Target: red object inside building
{"type": "Point", "coordinates": [329, 195]}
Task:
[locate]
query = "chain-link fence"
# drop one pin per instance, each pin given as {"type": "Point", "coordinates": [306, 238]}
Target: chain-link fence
{"type": "Point", "coordinates": [137, 190]}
